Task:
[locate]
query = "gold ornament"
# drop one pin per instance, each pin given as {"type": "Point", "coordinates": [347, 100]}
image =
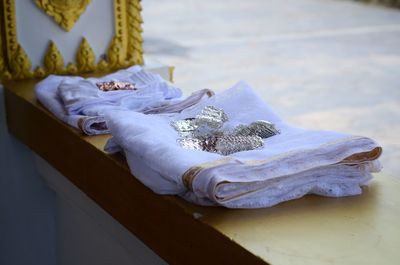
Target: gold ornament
{"type": "Point", "coordinates": [134, 20]}
{"type": "Point", "coordinates": [124, 50]}
{"type": "Point", "coordinates": [72, 69]}
{"type": "Point", "coordinates": [53, 60]}
{"type": "Point", "coordinates": [85, 58]}
{"type": "Point", "coordinates": [39, 72]}
{"type": "Point", "coordinates": [64, 12]}
{"type": "Point", "coordinates": [115, 54]}
{"type": "Point", "coordinates": [20, 64]}
{"type": "Point", "coordinates": [103, 66]}
{"type": "Point", "coordinates": [2, 65]}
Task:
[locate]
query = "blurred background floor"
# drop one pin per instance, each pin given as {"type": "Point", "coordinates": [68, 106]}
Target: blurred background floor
{"type": "Point", "coordinates": [326, 64]}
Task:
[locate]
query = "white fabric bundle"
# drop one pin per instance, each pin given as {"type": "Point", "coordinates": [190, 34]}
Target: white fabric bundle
{"type": "Point", "coordinates": [82, 96]}
{"type": "Point", "coordinates": [288, 166]}
{"type": "Point", "coordinates": [80, 103]}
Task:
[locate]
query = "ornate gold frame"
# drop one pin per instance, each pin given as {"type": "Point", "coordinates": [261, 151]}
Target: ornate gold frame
{"type": "Point", "coordinates": [125, 48]}
{"type": "Point", "coordinates": [64, 13]}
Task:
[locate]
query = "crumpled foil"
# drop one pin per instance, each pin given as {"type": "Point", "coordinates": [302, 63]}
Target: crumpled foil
{"type": "Point", "coordinates": [261, 128]}
{"type": "Point", "coordinates": [204, 133]}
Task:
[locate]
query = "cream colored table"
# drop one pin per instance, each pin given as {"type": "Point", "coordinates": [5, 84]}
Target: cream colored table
{"type": "Point", "coordinates": [312, 230]}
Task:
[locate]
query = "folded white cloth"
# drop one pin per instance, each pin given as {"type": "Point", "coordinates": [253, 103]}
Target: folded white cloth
{"type": "Point", "coordinates": [289, 165]}
{"type": "Point", "coordinates": [174, 106]}
{"type": "Point", "coordinates": [80, 103]}
{"type": "Point", "coordinates": [47, 94]}
{"type": "Point", "coordinates": [82, 96]}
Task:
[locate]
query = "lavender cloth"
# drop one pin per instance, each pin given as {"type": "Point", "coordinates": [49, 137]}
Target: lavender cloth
{"type": "Point", "coordinates": [78, 102]}
{"type": "Point", "coordinates": [290, 165]}
{"type": "Point", "coordinates": [82, 97]}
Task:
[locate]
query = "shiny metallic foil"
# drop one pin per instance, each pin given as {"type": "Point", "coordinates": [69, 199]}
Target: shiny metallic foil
{"type": "Point", "coordinates": [228, 144]}
{"type": "Point", "coordinates": [185, 127]}
{"type": "Point", "coordinates": [211, 117]}
{"type": "Point", "coordinates": [203, 125]}
{"type": "Point", "coordinates": [263, 129]}
{"type": "Point", "coordinates": [203, 133]}
{"type": "Point", "coordinates": [224, 145]}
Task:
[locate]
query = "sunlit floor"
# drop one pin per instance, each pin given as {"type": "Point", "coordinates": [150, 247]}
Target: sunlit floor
{"type": "Point", "coordinates": [325, 64]}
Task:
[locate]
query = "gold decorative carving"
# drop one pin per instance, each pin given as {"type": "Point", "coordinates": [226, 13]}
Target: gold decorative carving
{"type": "Point", "coordinates": [53, 60]}
{"type": "Point", "coordinates": [115, 55]}
{"type": "Point", "coordinates": [6, 76]}
{"type": "Point", "coordinates": [72, 69]}
{"type": "Point", "coordinates": [3, 68]}
{"type": "Point", "coordinates": [20, 64]}
{"type": "Point", "coordinates": [64, 12]}
{"type": "Point", "coordinates": [2, 64]}
{"type": "Point", "coordinates": [128, 30]}
{"type": "Point", "coordinates": [103, 66]}
{"type": "Point", "coordinates": [39, 72]}
{"type": "Point", "coordinates": [134, 21]}
{"type": "Point", "coordinates": [4, 73]}
{"type": "Point", "coordinates": [125, 47]}
{"type": "Point", "coordinates": [10, 28]}
{"type": "Point", "coordinates": [85, 58]}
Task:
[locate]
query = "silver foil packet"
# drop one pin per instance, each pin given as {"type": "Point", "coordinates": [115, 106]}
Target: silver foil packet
{"type": "Point", "coordinates": [205, 124]}
{"type": "Point", "coordinates": [224, 145]}
{"type": "Point", "coordinates": [261, 128]}
{"type": "Point", "coordinates": [211, 117]}
{"type": "Point", "coordinates": [204, 133]}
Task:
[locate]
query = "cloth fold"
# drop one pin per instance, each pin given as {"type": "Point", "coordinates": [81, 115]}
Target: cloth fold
{"type": "Point", "coordinates": [82, 96]}
{"type": "Point", "coordinates": [289, 165]}
{"type": "Point", "coordinates": [79, 102]}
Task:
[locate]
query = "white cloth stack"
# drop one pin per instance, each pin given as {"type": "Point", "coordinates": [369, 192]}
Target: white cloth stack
{"type": "Point", "coordinates": [290, 165]}
{"type": "Point", "coordinates": [80, 103]}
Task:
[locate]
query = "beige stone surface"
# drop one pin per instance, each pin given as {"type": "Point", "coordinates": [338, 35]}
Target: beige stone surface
{"type": "Point", "coordinates": [325, 64]}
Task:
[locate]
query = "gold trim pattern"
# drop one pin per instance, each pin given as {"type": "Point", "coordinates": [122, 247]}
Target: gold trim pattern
{"type": "Point", "coordinates": [134, 22]}
{"type": "Point", "coordinates": [128, 30]}
{"type": "Point", "coordinates": [53, 59]}
{"type": "Point", "coordinates": [64, 13]}
{"type": "Point", "coordinates": [10, 28]}
{"type": "Point", "coordinates": [4, 74]}
{"type": "Point", "coordinates": [2, 66]}
{"type": "Point", "coordinates": [85, 58]}
{"type": "Point", "coordinates": [125, 47]}
{"type": "Point", "coordinates": [20, 64]}
{"type": "Point", "coordinates": [115, 54]}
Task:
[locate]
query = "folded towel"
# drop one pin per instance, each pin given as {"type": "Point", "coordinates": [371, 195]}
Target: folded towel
{"type": "Point", "coordinates": [47, 94]}
{"type": "Point", "coordinates": [288, 166]}
{"type": "Point", "coordinates": [80, 103]}
{"type": "Point", "coordinates": [174, 106]}
{"type": "Point", "coordinates": [83, 97]}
